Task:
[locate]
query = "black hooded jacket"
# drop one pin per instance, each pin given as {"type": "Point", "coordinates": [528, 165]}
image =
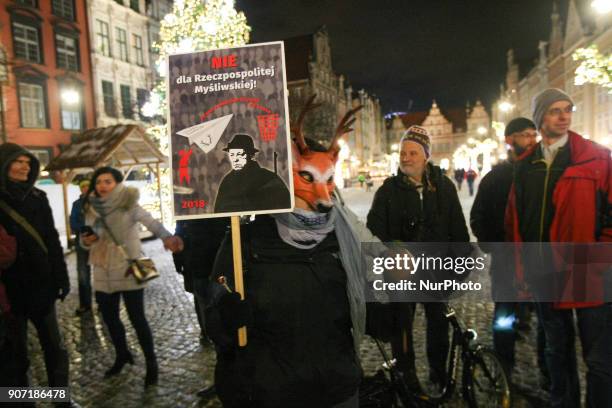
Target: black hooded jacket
{"type": "Point", "coordinates": [34, 280]}
{"type": "Point", "coordinates": [300, 350]}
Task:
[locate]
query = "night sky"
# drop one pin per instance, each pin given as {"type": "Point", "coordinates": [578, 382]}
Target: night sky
{"type": "Point", "coordinates": [409, 52]}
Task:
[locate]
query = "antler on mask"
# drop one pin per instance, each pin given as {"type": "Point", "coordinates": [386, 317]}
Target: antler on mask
{"type": "Point", "coordinates": [297, 127]}
{"type": "Point", "coordinates": [343, 127]}
{"type": "Point", "coordinates": [313, 169]}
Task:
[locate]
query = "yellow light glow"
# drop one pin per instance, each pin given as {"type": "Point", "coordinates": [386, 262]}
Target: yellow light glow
{"type": "Point", "coordinates": [602, 6]}
{"type": "Point", "coordinates": [506, 106]}
{"type": "Point", "coordinates": [70, 97]}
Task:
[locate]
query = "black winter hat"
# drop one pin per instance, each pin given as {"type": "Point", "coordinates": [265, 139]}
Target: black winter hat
{"type": "Point", "coordinates": [518, 125]}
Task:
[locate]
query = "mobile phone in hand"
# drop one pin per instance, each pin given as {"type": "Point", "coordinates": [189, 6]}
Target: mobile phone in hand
{"type": "Point", "coordinates": [86, 230]}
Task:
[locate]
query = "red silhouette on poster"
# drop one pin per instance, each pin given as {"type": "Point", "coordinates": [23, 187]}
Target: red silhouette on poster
{"type": "Point", "coordinates": [184, 165]}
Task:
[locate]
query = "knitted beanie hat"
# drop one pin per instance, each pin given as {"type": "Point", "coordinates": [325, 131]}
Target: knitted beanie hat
{"type": "Point", "coordinates": [418, 135]}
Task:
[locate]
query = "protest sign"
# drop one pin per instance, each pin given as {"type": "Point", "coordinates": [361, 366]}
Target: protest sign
{"type": "Point", "coordinates": [229, 140]}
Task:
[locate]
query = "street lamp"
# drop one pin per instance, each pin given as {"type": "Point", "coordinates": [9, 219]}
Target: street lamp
{"type": "Point", "coordinates": [444, 164]}
{"type": "Point", "coordinates": [394, 147]}
{"type": "Point", "coordinates": [341, 171]}
{"type": "Point", "coordinates": [70, 97]}
{"type": "Point", "coordinates": [602, 6]}
{"type": "Point", "coordinates": [506, 106]}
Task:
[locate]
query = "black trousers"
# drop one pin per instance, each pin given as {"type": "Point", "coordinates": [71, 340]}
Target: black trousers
{"type": "Point", "coordinates": [437, 338]}
{"type": "Point", "coordinates": [52, 344]}
{"type": "Point", "coordinates": [134, 304]}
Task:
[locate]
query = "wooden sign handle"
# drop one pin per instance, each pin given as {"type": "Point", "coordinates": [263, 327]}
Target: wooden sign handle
{"type": "Point", "coordinates": [238, 281]}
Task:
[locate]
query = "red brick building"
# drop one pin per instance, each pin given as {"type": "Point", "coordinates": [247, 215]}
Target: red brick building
{"type": "Point", "coordinates": [47, 92]}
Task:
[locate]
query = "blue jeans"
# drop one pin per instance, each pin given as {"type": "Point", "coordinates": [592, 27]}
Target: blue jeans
{"type": "Point", "coordinates": [595, 331]}
{"type": "Point", "coordinates": [84, 276]}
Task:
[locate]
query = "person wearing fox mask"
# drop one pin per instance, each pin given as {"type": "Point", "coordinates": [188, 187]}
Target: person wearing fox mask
{"type": "Point", "coordinates": [304, 305]}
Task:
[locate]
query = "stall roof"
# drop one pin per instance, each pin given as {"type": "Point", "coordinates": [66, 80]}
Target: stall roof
{"type": "Point", "coordinates": [118, 146]}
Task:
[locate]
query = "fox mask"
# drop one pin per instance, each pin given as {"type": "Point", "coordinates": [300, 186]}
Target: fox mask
{"type": "Point", "coordinates": [313, 170]}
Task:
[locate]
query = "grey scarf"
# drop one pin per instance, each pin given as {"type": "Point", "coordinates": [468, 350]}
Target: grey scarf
{"type": "Point", "coordinates": [110, 203]}
{"type": "Point", "coordinates": [305, 229]}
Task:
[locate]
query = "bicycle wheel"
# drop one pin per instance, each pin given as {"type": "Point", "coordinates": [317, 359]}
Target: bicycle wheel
{"type": "Point", "coordinates": [488, 384]}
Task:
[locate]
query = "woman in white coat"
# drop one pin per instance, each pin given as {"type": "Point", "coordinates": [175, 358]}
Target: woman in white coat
{"type": "Point", "coordinates": [109, 198]}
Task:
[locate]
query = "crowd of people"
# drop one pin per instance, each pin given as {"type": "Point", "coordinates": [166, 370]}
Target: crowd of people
{"type": "Point", "coordinates": [305, 304]}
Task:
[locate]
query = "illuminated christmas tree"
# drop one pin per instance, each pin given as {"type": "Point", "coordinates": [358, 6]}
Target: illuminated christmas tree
{"type": "Point", "coordinates": [193, 25]}
{"type": "Point", "coordinates": [594, 68]}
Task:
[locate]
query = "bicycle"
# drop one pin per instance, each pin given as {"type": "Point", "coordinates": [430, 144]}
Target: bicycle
{"type": "Point", "coordinates": [485, 382]}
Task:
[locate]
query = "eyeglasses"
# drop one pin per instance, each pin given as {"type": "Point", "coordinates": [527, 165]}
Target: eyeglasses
{"type": "Point", "coordinates": [557, 111]}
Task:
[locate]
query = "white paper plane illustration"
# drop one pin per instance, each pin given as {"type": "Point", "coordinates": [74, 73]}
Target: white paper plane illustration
{"type": "Point", "coordinates": [182, 190]}
{"type": "Point", "coordinates": [206, 135]}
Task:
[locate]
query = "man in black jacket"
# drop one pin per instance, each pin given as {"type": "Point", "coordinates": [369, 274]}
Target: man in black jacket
{"type": "Point", "coordinates": [419, 204]}
{"type": "Point", "coordinates": [39, 275]}
{"type": "Point", "coordinates": [202, 239]}
{"type": "Point", "coordinates": [487, 222]}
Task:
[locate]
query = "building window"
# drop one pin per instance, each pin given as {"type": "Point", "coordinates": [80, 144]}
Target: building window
{"type": "Point", "coordinates": [142, 95]}
{"type": "Point", "coordinates": [26, 42]}
{"type": "Point", "coordinates": [71, 108]}
{"type": "Point", "coordinates": [32, 105]}
{"type": "Point", "coordinates": [135, 6]}
{"type": "Point", "coordinates": [42, 155]}
{"type": "Point", "coordinates": [64, 8]}
{"type": "Point", "coordinates": [103, 38]}
{"type": "Point", "coordinates": [109, 99]}
{"type": "Point", "coordinates": [67, 54]}
{"type": "Point", "coordinates": [137, 45]}
{"type": "Point", "coordinates": [31, 3]}
{"type": "Point", "coordinates": [126, 102]}
{"type": "Point", "coordinates": [122, 44]}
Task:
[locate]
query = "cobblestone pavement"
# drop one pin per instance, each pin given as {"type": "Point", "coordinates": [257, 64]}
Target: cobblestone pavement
{"type": "Point", "coordinates": [185, 366]}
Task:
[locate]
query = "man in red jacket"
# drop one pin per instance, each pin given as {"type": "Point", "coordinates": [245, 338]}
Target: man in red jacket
{"type": "Point", "coordinates": [562, 193]}
{"type": "Point", "coordinates": [8, 252]}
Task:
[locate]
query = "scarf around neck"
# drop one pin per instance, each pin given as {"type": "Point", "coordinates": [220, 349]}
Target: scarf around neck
{"type": "Point", "coordinates": [106, 205]}
{"type": "Point", "coordinates": [18, 190]}
{"type": "Point", "coordinates": [304, 229]}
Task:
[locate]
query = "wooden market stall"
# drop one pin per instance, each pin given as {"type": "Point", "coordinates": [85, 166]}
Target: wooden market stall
{"type": "Point", "coordinates": [125, 147]}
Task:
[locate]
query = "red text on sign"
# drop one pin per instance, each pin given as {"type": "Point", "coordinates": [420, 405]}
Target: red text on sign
{"type": "Point", "coordinates": [228, 61]}
{"type": "Point", "coordinates": [193, 203]}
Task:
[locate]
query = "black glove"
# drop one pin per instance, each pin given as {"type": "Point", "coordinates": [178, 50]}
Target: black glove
{"type": "Point", "coordinates": [381, 322]}
{"type": "Point", "coordinates": [63, 292]}
{"type": "Point", "coordinates": [234, 312]}
{"type": "Point", "coordinates": [179, 261]}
